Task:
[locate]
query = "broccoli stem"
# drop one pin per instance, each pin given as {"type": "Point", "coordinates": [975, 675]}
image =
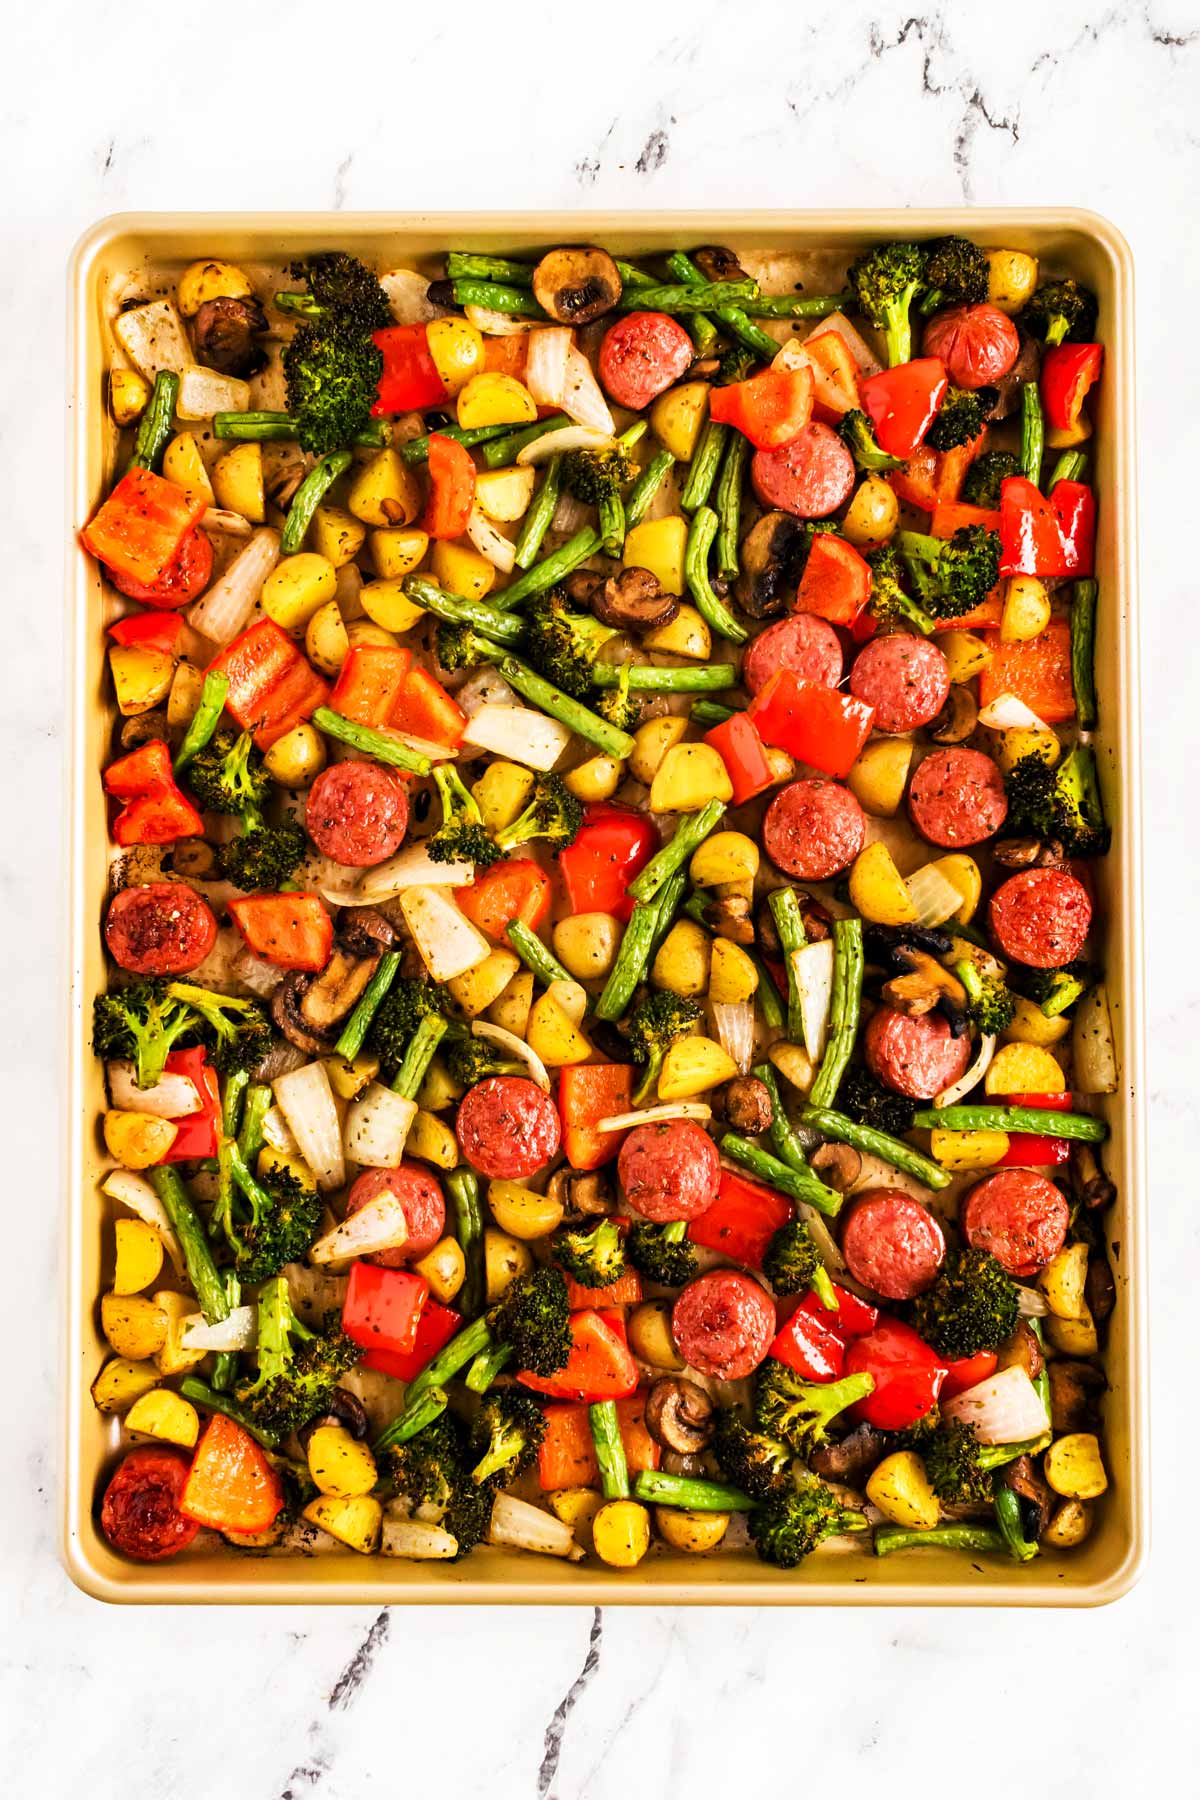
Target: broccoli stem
{"type": "Point", "coordinates": [204, 720]}
{"type": "Point", "coordinates": [154, 426]}
{"type": "Point", "coordinates": [458, 609]}
{"type": "Point", "coordinates": [417, 449]}
{"type": "Point", "coordinates": [611, 511]}
{"type": "Point", "coordinates": [766, 993]}
{"type": "Point", "coordinates": [797, 1184]}
{"type": "Point", "coordinates": [537, 520]}
{"type": "Point", "coordinates": [536, 955]}
{"type": "Point", "coordinates": [701, 532]}
{"type": "Point", "coordinates": [225, 1363]}
{"type": "Point", "coordinates": [610, 1451]}
{"type": "Point", "coordinates": [996, 1456]}
{"type": "Point", "coordinates": [939, 1537]}
{"type": "Point", "coordinates": [231, 1101]}
{"type": "Point", "coordinates": [704, 465]}
{"type": "Point", "coordinates": [455, 1356]}
{"type": "Point", "coordinates": [355, 1030]}
{"type": "Point", "coordinates": [796, 306]}
{"type": "Point", "coordinates": [280, 427]}
{"type": "Point", "coordinates": [371, 743]}
{"type": "Point", "coordinates": [1033, 433]}
{"type": "Point", "coordinates": [691, 1492]}
{"type": "Point", "coordinates": [729, 505]}
{"type": "Point", "coordinates": [891, 1150]}
{"type": "Point", "coordinates": [1081, 1128]}
{"type": "Point", "coordinates": [497, 296]}
{"type": "Point", "coordinates": [487, 1365]}
{"type": "Point", "coordinates": [648, 679]}
{"type": "Point", "coordinates": [468, 265]}
{"type": "Point", "coordinates": [1071, 466]}
{"type": "Point", "coordinates": [205, 1396]}
{"type": "Point", "coordinates": [648, 919]}
{"type": "Point", "coordinates": [637, 501]}
{"type": "Point", "coordinates": [206, 1282]}
{"type": "Point", "coordinates": [259, 1101]}
{"type": "Point", "coordinates": [689, 835]}
{"type": "Point", "coordinates": [420, 1053]}
{"type": "Point", "coordinates": [690, 297]}
{"type": "Point", "coordinates": [308, 497]}
{"type": "Point", "coordinates": [733, 317]}
{"type": "Point", "coordinates": [711, 712]}
{"type": "Point", "coordinates": [571, 713]}
{"type": "Point", "coordinates": [844, 1010]}
{"type": "Point", "coordinates": [463, 1189]}
{"type": "Point", "coordinates": [430, 1404]}
{"type": "Point", "coordinates": [1083, 652]}
{"type": "Point", "coordinates": [1008, 1517]}
{"type": "Point", "coordinates": [551, 569]}
{"type": "Point", "coordinates": [499, 452]}
{"type": "Point", "coordinates": [785, 910]}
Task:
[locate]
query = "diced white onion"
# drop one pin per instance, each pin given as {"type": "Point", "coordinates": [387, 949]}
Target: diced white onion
{"type": "Point", "coordinates": [525, 1527]}
{"type": "Point", "coordinates": [277, 1133]}
{"type": "Point", "coordinates": [860, 350]}
{"type": "Point", "coordinates": [412, 867]}
{"type": "Point", "coordinates": [1032, 1303]}
{"type": "Point", "coordinates": [518, 733]}
{"type": "Point", "coordinates": [498, 324]}
{"type": "Point", "coordinates": [136, 1193]}
{"type": "Point", "coordinates": [500, 551]}
{"type": "Point", "coordinates": [1093, 1047]}
{"type": "Point", "coordinates": [1007, 713]}
{"type": "Point", "coordinates": [227, 605]}
{"type": "Point", "coordinates": [567, 437]}
{"type": "Point", "coordinates": [935, 898]}
{"type": "Point", "coordinates": [408, 296]}
{"type": "Point", "coordinates": [546, 363]}
{"type": "Point", "coordinates": [172, 1097]}
{"type": "Point", "coordinates": [973, 1074]}
{"type": "Point", "coordinates": [734, 1025]}
{"type": "Point", "coordinates": [306, 1101]}
{"type": "Point", "coordinates": [812, 967]}
{"type": "Point", "coordinates": [1004, 1409]}
{"type": "Point", "coordinates": [238, 1332]}
{"type": "Point", "coordinates": [260, 976]}
{"type": "Point", "coordinates": [508, 1040]}
{"type": "Point", "coordinates": [657, 1115]}
{"type": "Point", "coordinates": [376, 1128]}
{"type": "Point", "coordinates": [232, 524]}
{"type": "Point", "coordinates": [280, 1060]}
{"type": "Point", "coordinates": [153, 338]}
{"type": "Point", "coordinates": [203, 392]}
{"type": "Point", "coordinates": [484, 688]}
{"type": "Point", "coordinates": [448, 942]}
{"type": "Point", "coordinates": [571, 515]}
{"type": "Point", "coordinates": [582, 398]}
{"type": "Point", "coordinates": [418, 1542]}
{"type": "Point", "coordinates": [379, 1225]}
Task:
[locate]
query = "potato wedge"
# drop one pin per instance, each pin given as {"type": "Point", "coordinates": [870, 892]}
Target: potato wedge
{"type": "Point", "coordinates": [878, 775]}
{"type": "Point", "coordinates": [171, 1357]}
{"type": "Point", "coordinates": [1063, 1281]}
{"type": "Point", "coordinates": [237, 482]}
{"type": "Point", "coordinates": [522, 1212]}
{"type": "Point", "coordinates": [551, 1035]}
{"type": "Point", "coordinates": [121, 1383]}
{"type": "Point", "coordinates": [139, 1256]}
{"type": "Point", "coordinates": [660, 546]}
{"type": "Point", "coordinates": [504, 1258]}
{"type": "Point", "coordinates": [693, 1532]}
{"type": "Point", "coordinates": [587, 943]}
{"type": "Point", "coordinates": [732, 976]}
{"type": "Point", "coordinates": [511, 1011]}
{"type": "Point", "coordinates": [725, 856]}
{"type": "Point", "coordinates": [900, 1488]}
{"type": "Point", "coordinates": [1023, 1069]}
{"type": "Point", "coordinates": [137, 1140]}
{"type": "Point", "coordinates": [878, 890]}
{"type": "Point", "coordinates": [1074, 1467]}
{"type": "Point", "coordinates": [683, 961]}
{"type": "Point", "coordinates": [677, 418]}
{"type": "Point", "coordinates": [135, 1327]}
{"type": "Point", "coordinates": [339, 1464]}
{"type": "Point", "coordinates": [385, 492]}
{"type": "Point", "coordinates": [479, 987]}
{"type": "Point", "coordinates": [693, 1065]}
{"type": "Point", "coordinates": [354, 1522]}
{"type": "Point", "coordinates": [431, 1140]}
{"type": "Point", "coordinates": [688, 777]}
{"type": "Point", "coordinates": [651, 742]}
{"type": "Point", "coordinates": [444, 1267]}
{"type": "Point", "coordinates": [164, 1414]}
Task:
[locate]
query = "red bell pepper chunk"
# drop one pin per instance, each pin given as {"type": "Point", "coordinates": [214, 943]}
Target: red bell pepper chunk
{"type": "Point", "coordinates": [908, 1375]}
{"type": "Point", "coordinates": [382, 1309]}
{"type": "Point", "coordinates": [148, 631]}
{"type": "Point", "coordinates": [435, 1327]}
{"type": "Point", "coordinates": [809, 1347]}
{"type": "Point", "coordinates": [1068, 371]}
{"type": "Point", "coordinates": [931, 478]}
{"type": "Point", "coordinates": [598, 1368]}
{"type": "Point", "coordinates": [853, 1318]}
{"type": "Point", "coordinates": [1037, 671]}
{"type": "Point", "coordinates": [139, 530]}
{"type": "Point", "coordinates": [771, 408]}
{"type": "Point", "coordinates": [614, 845]}
{"type": "Point", "coordinates": [1046, 536]}
{"type": "Point", "coordinates": [271, 687]}
{"type": "Point", "coordinates": [626, 1290]}
{"type": "Point", "coordinates": [567, 1455]}
{"type": "Point", "coordinates": [155, 812]}
{"type": "Point", "coordinates": [740, 748]}
{"type": "Point", "coordinates": [588, 1092]}
{"type": "Point", "coordinates": [813, 723]}
{"type": "Point", "coordinates": [836, 583]}
{"type": "Point", "coordinates": [369, 683]}
{"type": "Point", "coordinates": [835, 373]}
{"type": "Point", "coordinates": [950, 516]}
{"type": "Point", "coordinates": [186, 575]}
{"type": "Point", "coordinates": [1050, 1102]}
{"type": "Point", "coordinates": [903, 402]}
{"type": "Point", "coordinates": [507, 891]}
{"type": "Point", "coordinates": [967, 1372]}
{"type": "Point", "coordinates": [1028, 1148]}
{"type": "Point", "coordinates": [742, 1220]}
{"type": "Point", "coordinates": [424, 709]}
{"type": "Point", "coordinates": [451, 488]}
{"type": "Point", "coordinates": [410, 379]}
{"type": "Point", "coordinates": [293, 931]}
{"type": "Point", "coordinates": [196, 1134]}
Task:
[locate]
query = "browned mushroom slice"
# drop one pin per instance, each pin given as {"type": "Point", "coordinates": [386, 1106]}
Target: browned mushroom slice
{"type": "Point", "coordinates": [1075, 1390]}
{"type": "Point", "coordinates": [679, 1415]}
{"type": "Point", "coordinates": [924, 985]}
{"type": "Point", "coordinates": [957, 719]}
{"type": "Point", "coordinates": [852, 1459]}
{"type": "Point", "coordinates": [581, 1196]}
{"type": "Point", "coordinates": [582, 585]}
{"type": "Point", "coordinates": [747, 1104]}
{"type": "Point", "coordinates": [1023, 1350]}
{"type": "Point", "coordinates": [337, 989]}
{"type": "Point", "coordinates": [1089, 1184]}
{"type": "Point", "coordinates": [285, 1011]}
{"type": "Point", "coordinates": [365, 931]}
{"type": "Point", "coordinates": [633, 601]}
{"type": "Point", "coordinates": [226, 332]}
{"type": "Point", "coordinates": [141, 729]}
{"type": "Point", "coordinates": [576, 286]}
{"type": "Point", "coordinates": [344, 1409]}
{"type": "Point", "coordinates": [773, 554]}
{"type": "Point", "coordinates": [1100, 1290]}
{"type": "Point", "coordinates": [1026, 1482]}
{"type": "Point", "coordinates": [838, 1165]}
{"type": "Point", "coordinates": [718, 263]}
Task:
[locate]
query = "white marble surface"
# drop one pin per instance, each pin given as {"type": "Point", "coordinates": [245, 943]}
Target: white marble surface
{"type": "Point", "coordinates": [109, 107]}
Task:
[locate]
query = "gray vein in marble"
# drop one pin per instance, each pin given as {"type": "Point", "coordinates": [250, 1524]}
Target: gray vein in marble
{"type": "Point", "coordinates": [340, 178]}
{"type": "Point", "coordinates": [562, 1712]}
{"type": "Point", "coordinates": [655, 151]}
{"type": "Point", "coordinates": [312, 1771]}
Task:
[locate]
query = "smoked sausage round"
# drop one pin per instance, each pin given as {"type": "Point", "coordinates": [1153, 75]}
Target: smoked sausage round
{"type": "Point", "coordinates": [507, 1128]}
{"type": "Point", "coordinates": [642, 354]}
{"type": "Point", "coordinates": [957, 797]}
{"type": "Point", "coordinates": [917, 1057]}
{"type": "Point", "coordinates": [1019, 1217]}
{"type": "Point", "coordinates": [810, 477]}
{"type": "Point", "coordinates": [357, 813]}
{"type": "Point", "coordinates": [978, 344]}
{"type": "Point", "coordinates": [1041, 917]}
{"type": "Point", "coordinates": [419, 1193]}
{"type": "Point", "coordinates": [723, 1324]}
{"type": "Point", "coordinates": [813, 829]}
{"type": "Point", "coordinates": [669, 1171]}
{"type": "Point", "coordinates": [164, 928]}
{"type": "Point", "coordinates": [804, 643]}
{"type": "Point", "coordinates": [904, 678]}
{"type": "Point", "coordinates": [892, 1244]}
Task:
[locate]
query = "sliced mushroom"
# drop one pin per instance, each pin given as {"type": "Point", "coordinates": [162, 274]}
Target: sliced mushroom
{"type": "Point", "coordinates": [773, 555]}
{"type": "Point", "coordinates": [1075, 1390]}
{"type": "Point", "coordinates": [1029, 853]}
{"type": "Point", "coordinates": [141, 729]}
{"type": "Point", "coordinates": [226, 332]}
{"type": "Point", "coordinates": [838, 1165]}
{"type": "Point", "coordinates": [718, 263]}
{"type": "Point", "coordinates": [193, 859]}
{"type": "Point", "coordinates": [1100, 1290]}
{"type": "Point", "coordinates": [924, 986]}
{"type": "Point", "coordinates": [1089, 1184]}
{"type": "Point", "coordinates": [576, 286]}
{"type": "Point", "coordinates": [283, 480]}
{"type": "Point", "coordinates": [731, 916]}
{"type": "Point", "coordinates": [1038, 1501]}
{"type": "Point", "coordinates": [747, 1104]}
{"type": "Point", "coordinates": [286, 1014]}
{"type": "Point", "coordinates": [365, 932]}
{"type": "Point", "coordinates": [679, 1415]}
{"type": "Point", "coordinates": [582, 585]}
{"type": "Point", "coordinates": [851, 1459]}
{"type": "Point", "coordinates": [633, 601]}
{"type": "Point", "coordinates": [581, 1196]}
{"type": "Point", "coordinates": [1023, 1350]}
{"type": "Point", "coordinates": [441, 294]}
{"type": "Point", "coordinates": [1008, 388]}
{"type": "Point", "coordinates": [957, 719]}
{"type": "Point", "coordinates": [337, 989]}
{"type": "Point", "coordinates": [344, 1409]}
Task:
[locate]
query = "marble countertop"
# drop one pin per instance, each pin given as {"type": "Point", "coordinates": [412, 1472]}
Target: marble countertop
{"type": "Point", "coordinates": [121, 107]}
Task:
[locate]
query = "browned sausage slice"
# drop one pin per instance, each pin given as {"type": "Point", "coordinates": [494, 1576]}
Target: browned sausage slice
{"type": "Point", "coordinates": [916, 1057]}
{"type": "Point", "coordinates": [957, 798]}
{"type": "Point", "coordinates": [642, 354]}
{"type": "Point", "coordinates": [507, 1128]}
{"type": "Point", "coordinates": [419, 1193]}
{"type": "Point", "coordinates": [804, 643]}
{"type": "Point", "coordinates": [357, 813]}
{"type": "Point", "coordinates": [164, 928]}
{"type": "Point", "coordinates": [723, 1324]}
{"type": "Point", "coordinates": [978, 344]}
{"type": "Point", "coordinates": [1041, 917]}
{"type": "Point", "coordinates": [809, 477]}
{"type": "Point", "coordinates": [904, 678]}
{"type": "Point", "coordinates": [1019, 1217]}
{"type": "Point", "coordinates": [813, 829]}
{"type": "Point", "coordinates": [892, 1244]}
{"type": "Point", "coordinates": [669, 1171]}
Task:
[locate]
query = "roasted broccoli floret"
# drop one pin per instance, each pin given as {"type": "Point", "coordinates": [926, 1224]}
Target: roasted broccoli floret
{"type": "Point", "coordinates": [261, 861]}
{"type": "Point", "coordinates": [593, 476]}
{"type": "Point", "coordinates": [890, 602]}
{"type": "Point", "coordinates": [787, 1527]}
{"type": "Point", "coordinates": [532, 1318]}
{"type": "Point", "coordinates": [868, 1101]}
{"type": "Point", "coordinates": [759, 1465]}
{"type": "Point", "coordinates": [989, 1002]}
{"type": "Point", "coordinates": [961, 417]}
{"type": "Point", "coordinates": [554, 815]}
{"type": "Point", "coordinates": [735, 364]}
{"type": "Point", "coordinates": [986, 475]}
{"type": "Point", "coordinates": [298, 1369]}
{"type": "Point", "coordinates": [662, 1253]}
{"type": "Point", "coordinates": [885, 282]}
{"type": "Point", "coordinates": [267, 1221]}
{"type": "Point", "coordinates": [229, 776]}
{"type": "Point", "coordinates": [563, 644]}
{"type": "Point", "coordinates": [472, 1059]}
{"type": "Point", "coordinates": [461, 647]}
{"type": "Point", "coordinates": [973, 1305]}
{"type": "Point", "coordinates": [1053, 989]}
{"type": "Point", "coordinates": [618, 705]}
{"type": "Point", "coordinates": [956, 274]}
{"type": "Point", "coordinates": [406, 1003]}
{"type": "Point", "coordinates": [505, 1436]}
{"type": "Point", "coordinates": [858, 435]}
{"type": "Point", "coordinates": [236, 1032]}
{"type": "Point", "coordinates": [462, 835]}
{"type": "Point", "coordinates": [952, 575]}
{"type": "Point", "coordinates": [332, 374]}
{"type": "Point", "coordinates": [792, 1264]}
{"type": "Point", "coordinates": [799, 1411]}
{"type": "Point", "coordinates": [654, 1025]}
{"type": "Point", "coordinates": [593, 1258]}
{"type": "Point", "coordinates": [432, 1471]}
{"type": "Point", "coordinates": [1060, 805]}
{"type": "Point", "coordinates": [1061, 312]}
{"type": "Point", "coordinates": [142, 1024]}
{"type": "Point", "coordinates": [950, 1452]}
{"type": "Point", "coordinates": [341, 290]}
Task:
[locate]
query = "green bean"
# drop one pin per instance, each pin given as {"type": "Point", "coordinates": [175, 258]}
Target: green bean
{"type": "Point", "coordinates": [704, 332]}
{"type": "Point", "coordinates": [632, 277]}
{"type": "Point", "coordinates": [537, 520]}
{"type": "Point", "coordinates": [637, 501]}
{"type": "Point", "coordinates": [1033, 433]}
{"type": "Point", "coordinates": [280, 427]}
{"type": "Point", "coordinates": [429, 1405]}
{"type": "Point", "coordinates": [780, 1136]}
{"type": "Point", "coordinates": [154, 427]}
{"type": "Point", "coordinates": [734, 318]}
{"type": "Point", "coordinates": [460, 609]}
{"type": "Point", "coordinates": [610, 1451]}
{"type": "Point", "coordinates": [500, 452]}
{"type": "Point", "coordinates": [420, 1051]}
{"type": "Point", "coordinates": [703, 469]}
{"type": "Point", "coordinates": [462, 1185]}
{"type": "Point", "coordinates": [536, 955]}
{"type": "Point", "coordinates": [798, 1184]}
{"type": "Point", "coordinates": [844, 1010]}
{"type": "Point", "coordinates": [204, 720]}
{"type": "Point", "coordinates": [710, 712]}
{"type": "Point", "coordinates": [259, 1101]}
{"type": "Point", "coordinates": [648, 678]}
{"type": "Point", "coordinates": [496, 296]}
{"type": "Point", "coordinates": [571, 713]}
{"type": "Point", "coordinates": [1081, 1128]}
{"type": "Point", "coordinates": [372, 743]}
{"type": "Point", "coordinates": [1083, 652]}
{"type": "Point", "coordinates": [477, 267]}
{"type": "Point", "coordinates": [487, 1365]}
{"type": "Point", "coordinates": [648, 924]}
{"type": "Point", "coordinates": [611, 513]}
{"type": "Point", "coordinates": [998, 1456]}
{"type": "Point", "coordinates": [766, 993]}
{"type": "Point", "coordinates": [729, 505]}
{"type": "Point", "coordinates": [205, 1396]}
{"type": "Point", "coordinates": [1008, 1518]}
{"type": "Point", "coordinates": [692, 1492]}
{"type": "Point", "coordinates": [891, 1150]}
{"type": "Point", "coordinates": [701, 532]}
{"type": "Point", "coordinates": [551, 570]}
{"type": "Point", "coordinates": [355, 1030]}
{"type": "Point", "coordinates": [796, 306]}
{"type": "Point", "coordinates": [463, 1348]}
{"type": "Point", "coordinates": [789, 923]}
{"type": "Point", "coordinates": [670, 895]}
{"type": "Point", "coordinates": [207, 1283]}
{"type": "Point", "coordinates": [308, 497]}
{"type": "Point", "coordinates": [1070, 466]}
{"type": "Point", "coordinates": [703, 296]}
{"type": "Point", "coordinates": [225, 1363]}
{"type": "Point", "coordinates": [690, 834]}
{"type": "Point", "coordinates": [940, 1537]}
{"type": "Point", "coordinates": [416, 450]}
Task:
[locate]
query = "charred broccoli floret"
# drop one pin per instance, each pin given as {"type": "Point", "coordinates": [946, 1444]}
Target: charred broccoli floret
{"type": "Point", "coordinates": [1062, 805]}
{"type": "Point", "coordinates": [432, 1471]}
{"type": "Point", "coordinates": [505, 1436]}
{"type": "Point", "coordinates": [986, 475]}
{"type": "Point", "coordinates": [332, 374]}
{"type": "Point", "coordinates": [267, 1221]}
{"type": "Point", "coordinates": [236, 1032]}
{"type": "Point", "coordinates": [787, 1527]}
{"type": "Point", "coordinates": [554, 815]}
{"type": "Point", "coordinates": [562, 644]}
{"type": "Point", "coordinates": [868, 1101]}
{"type": "Point", "coordinates": [890, 602]}
{"type": "Point", "coordinates": [406, 1003]}
{"type": "Point", "coordinates": [462, 647]}
{"type": "Point", "coordinates": [341, 290]}
{"type": "Point", "coordinates": [792, 1264]}
{"type": "Point", "coordinates": [261, 861]}
{"type": "Point", "coordinates": [961, 417]}
{"type": "Point", "coordinates": [973, 1305]}
{"type": "Point", "coordinates": [662, 1253]}
{"type": "Point", "coordinates": [857, 434]}
{"type": "Point", "coordinates": [952, 575]}
{"type": "Point", "coordinates": [532, 1318]}
{"type": "Point", "coordinates": [799, 1411]}
{"type": "Point", "coordinates": [141, 1024]}
{"type": "Point", "coordinates": [618, 705]}
{"type": "Point", "coordinates": [735, 364]}
{"type": "Point", "coordinates": [1053, 989]}
{"type": "Point", "coordinates": [750, 1460]}
{"type": "Point", "coordinates": [473, 1059]}
{"type": "Point", "coordinates": [298, 1369]}
{"type": "Point", "coordinates": [956, 274]}
{"type": "Point", "coordinates": [654, 1025]}
{"type": "Point", "coordinates": [462, 835]}
{"type": "Point", "coordinates": [950, 1452]}
{"type": "Point", "coordinates": [229, 776]}
{"type": "Point", "coordinates": [989, 1002]}
{"type": "Point", "coordinates": [885, 282]}
{"type": "Point", "coordinates": [594, 476]}
{"type": "Point", "coordinates": [594, 1258]}
{"type": "Point", "coordinates": [1061, 312]}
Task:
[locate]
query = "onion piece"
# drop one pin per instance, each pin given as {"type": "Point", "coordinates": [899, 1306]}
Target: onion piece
{"type": "Point", "coordinates": [172, 1096]}
{"type": "Point", "coordinates": [407, 293]}
{"type": "Point", "coordinates": [519, 734]}
{"type": "Point", "coordinates": [260, 976]}
{"type": "Point", "coordinates": [657, 1115]}
{"type": "Point", "coordinates": [570, 515]}
{"type": "Point", "coordinates": [137, 1194]}
{"type": "Point", "coordinates": [582, 398]}
{"type": "Point", "coordinates": [812, 966]}
{"type": "Point", "coordinates": [975, 1073]}
{"type": "Point", "coordinates": [238, 1332]}
{"type": "Point", "coordinates": [567, 437]}
{"type": "Point", "coordinates": [227, 605]}
{"type": "Point", "coordinates": [935, 898]}
{"type": "Point", "coordinates": [1004, 1409]}
{"type": "Point", "coordinates": [203, 392]}
{"type": "Point", "coordinates": [153, 338]}
{"type": "Point", "coordinates": [379, 1225]}
{"type": "Point", "coordinates": [1032, 1304]}
{"type": "Point", "coordinates": [377, 1126]}
{"type": "Point", "coordinates": [1007, 713]}
{"type": "Point", "coordinates": [525, 1527]}
{"type": "Point", "coordinates": [411, 867]}
{"type": "Point", "coordinates": [306, 1101]}
{"type": "Point", "coordinates": [546, 363]}
{"type": "Point", "coordinates": [416, 1541]}
{"type": "Point", "coordinates": [498, 324]}
{"type": "Point", "coordinates": [231, 524]}
{"type": "Point", "coordinates": [500, 551]}
{"type": "Point", "coordinates": [826, 1243]}
{"type": "Point", "coordinates": [483, 688]}
{"type": "Point", "coordinates": [1093, 1047]}
{"type": "Point", "coordinates": [448, 942]}
{"type": "Point", "coordinates": [860, 350]}
{"type": "Point", "coordinates": [508, 1040]}
{"type": "Point", "coordinates": [734, 1023]}
{"type": "Point", "coordinates": [277, 1133]}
